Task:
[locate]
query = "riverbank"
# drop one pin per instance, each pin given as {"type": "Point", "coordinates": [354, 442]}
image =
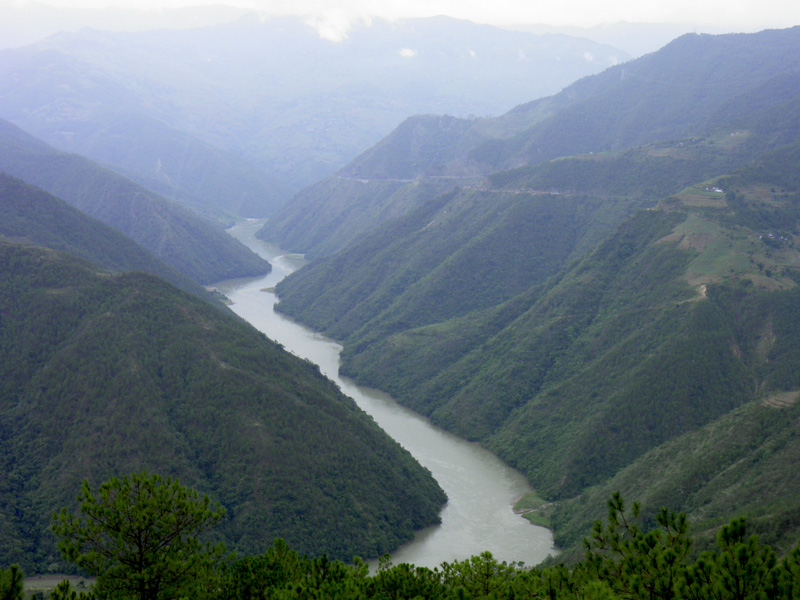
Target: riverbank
{"type": "Point", "coordinates": [481, 489]}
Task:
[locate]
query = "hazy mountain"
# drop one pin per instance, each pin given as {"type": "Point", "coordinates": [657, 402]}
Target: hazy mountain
{"type": "Point", "coordinates": [25, 23]}
{"type": "Point", "coordinates": [102, 375]}
{"type": "Point", "coordinates": [193, 245]}
{"type": "Point", "coordinates": [634, 38]}
{"type": "Point", "coordinates": [695, 86]}
{"type": "Point", "coordinates": [273, 93]}
{"type": "Point", "coordinates": [382, 183]}
{"type": "Point", "coordinates": [33, 216]}
{"type": "Point", "coordinates": [544, 315]}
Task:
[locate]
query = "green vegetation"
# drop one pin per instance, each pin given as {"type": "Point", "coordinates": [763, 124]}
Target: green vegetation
{"type": "Point", "coordinates": [534, 509]}
{"type": "Point", "coordinates": [548, 317]}
{"type": "Point", "coordinates": [34, 216]}
{"type": "Point", "coordinates": [323, 218]}
{"type": "Point", "coordinates": [624, 558]}
{"type": "Point", "coordinates": [139, 536]}
{"type": "Point", "coordinates": [191, 244]}
{"type": "Point", "coordinates": [107, 373]}
{"type": "Point", "coordinates": [593, 345]}
{"type": "Point", "coordinates": [734, 103]}
{"type": "Point", "coordinates": [735, 465]}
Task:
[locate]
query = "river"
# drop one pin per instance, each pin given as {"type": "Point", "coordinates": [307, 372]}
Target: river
{"type": "Point", "coordinates": [480, 488]}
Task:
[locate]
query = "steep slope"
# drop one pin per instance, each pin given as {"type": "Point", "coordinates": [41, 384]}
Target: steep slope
{"type": "Point", "coordinates": [104, 374]}
{"type": "Point", "coordinates": [736, 465]}
{"type": "Point", "coordinates": [189, 243]}
{"type": "Point", "coordinates": [80, 107]}
{"type": "Point", "coordinates": [385, 182]}
{"type": "Point", "coordinates": [692, 85]}
{"type": "Point", "coordinates": [31, 215]}
{"type": "Point", "coordinates": [477, 247]}
{"type": "Point", "coordinates": [191, 172]}
{"type": "Point", "coordinates": [637, 330]}
{"type": "Point", "coordinates": [697, 86]}
{"type": "Point", "coordinates": [634, 354]}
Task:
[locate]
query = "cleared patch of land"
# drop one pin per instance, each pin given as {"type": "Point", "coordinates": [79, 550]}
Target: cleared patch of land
{"type": "Point", "coordinates": [781, 400]}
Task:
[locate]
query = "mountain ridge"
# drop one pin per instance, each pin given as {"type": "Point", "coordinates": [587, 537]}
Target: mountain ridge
{"type": "Point", "coordinates": [172, 233]}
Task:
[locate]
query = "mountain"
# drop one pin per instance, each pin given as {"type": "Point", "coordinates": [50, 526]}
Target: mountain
{"type": "Point", "coordinates": [105, 374]}
{"type": "Point", "coordinates": [33, 216]}
{"type": "Point", "coordinates": [696, 86]}
{"type": "Point", "coordinates": [210, 181]}
{"type": "Point", "coordinates": [684, 314]}
{"type": "Point", "coordinates": [476, 247]}
{"type": "Point", "coordinates": [193, 245]}
{"type": "Point", "coordinates": [582, 315]}
{"type": "Point", "coordinates": [270, 93]}
{"type": "Point", "coordinates": [23, 24]}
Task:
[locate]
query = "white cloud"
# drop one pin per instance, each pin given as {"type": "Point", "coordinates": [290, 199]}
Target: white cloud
{"type": "Point", "coordinates": [408, 53]}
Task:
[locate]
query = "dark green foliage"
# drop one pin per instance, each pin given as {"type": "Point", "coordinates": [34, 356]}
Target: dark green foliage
{"type": "Point", "coordinates": [635, 563]}
{"type": "Point", "coordinates": [191, 244]}
{"type": "Point", "coordinates": [734, 465]}
{"type": "Point", "coordinates": [576, 368]}
{"type": "Point", "coordinates": [739, 570]}
{"type": "Point", "coordinates": [464, 251]}
{"type": "Point", "coordinates": [11, 583]}
{"type": "Point", "coordinates": [102, 374]}
{"type": "Point", "coordinates": [64, 591]}
{"type": "Point", "coordinates": [624, 560]}
{"type": "Point", "coordinates": [139, 536]}
{"type": "Point", "coordinates": [581, 375]}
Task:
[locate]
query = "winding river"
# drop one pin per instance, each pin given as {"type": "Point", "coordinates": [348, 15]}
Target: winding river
{"type": "Point", "coordinates": [480, 489]}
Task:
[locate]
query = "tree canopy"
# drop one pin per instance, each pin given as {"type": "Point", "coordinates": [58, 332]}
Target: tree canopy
{"type": "Point", "coordinates": [139, 535]}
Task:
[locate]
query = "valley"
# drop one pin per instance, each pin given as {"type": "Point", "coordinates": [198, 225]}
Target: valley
{"type": "Point", "coordinates": [582, 289]}
{"type": "Point", "coordinates": [480, 490]}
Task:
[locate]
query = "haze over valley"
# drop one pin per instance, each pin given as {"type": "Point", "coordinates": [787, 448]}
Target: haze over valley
{"type": "Point", "coordinates": [579, 252]}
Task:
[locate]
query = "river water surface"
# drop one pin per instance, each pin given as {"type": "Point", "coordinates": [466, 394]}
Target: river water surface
{"type": "Point", "coordinates": [480, 489]}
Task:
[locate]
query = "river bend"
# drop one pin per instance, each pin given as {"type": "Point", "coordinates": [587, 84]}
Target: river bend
{"type": "Point", "coordinates": [480, 488]}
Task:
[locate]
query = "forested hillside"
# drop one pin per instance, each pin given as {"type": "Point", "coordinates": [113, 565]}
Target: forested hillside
{"type": "Point", "coordinates": [103, 374]}
{"type": "Point", "coordinates": [544, 314]}
{"type": "Point", "coordinates": [33, 216]}
{"type": "Point", "coordinates": [195, 246]}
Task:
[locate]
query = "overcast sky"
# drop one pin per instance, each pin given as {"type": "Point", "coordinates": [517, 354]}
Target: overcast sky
{"type": "Point", "coordinates": [744, 15]}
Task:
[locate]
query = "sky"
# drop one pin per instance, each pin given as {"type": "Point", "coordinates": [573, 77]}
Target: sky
{"type": "Point", "coordinates": [26, 21]}
{"type": "Point", "coordinates": [744, 15]}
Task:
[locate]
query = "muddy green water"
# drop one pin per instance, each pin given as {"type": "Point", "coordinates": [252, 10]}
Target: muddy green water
{"type": "Point", "coordinates": [481, 490]}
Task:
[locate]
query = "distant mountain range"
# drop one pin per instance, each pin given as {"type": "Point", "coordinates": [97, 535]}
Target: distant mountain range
{"type": "Point", "coordinates": [610, 278]}
{"type": "Point", "coordinates": [231, 119]}
{"type": "Point", "coordinates": [746, 81]}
